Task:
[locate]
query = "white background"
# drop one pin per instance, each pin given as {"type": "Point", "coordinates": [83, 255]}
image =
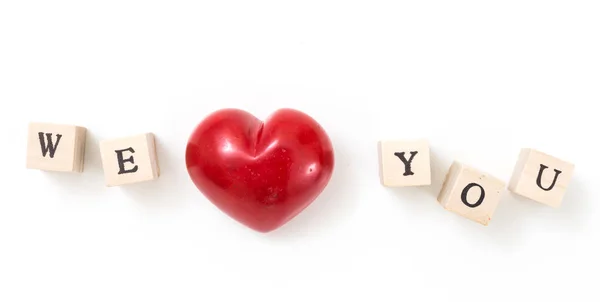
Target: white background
{"type": "Point", "coordinates": [479, 79]}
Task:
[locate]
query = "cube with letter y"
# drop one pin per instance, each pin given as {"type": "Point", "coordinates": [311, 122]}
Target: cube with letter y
{"type": "Point", "coordinates": [471, 193]}
{"type": "Point", "coordinates": [404, 163]}
{"type": "Point", "coordinates": [129, 159]}
{"type": "Point", "coordinates": [541, 177]}
{"type": "Point", "coordinates": [56, 147]}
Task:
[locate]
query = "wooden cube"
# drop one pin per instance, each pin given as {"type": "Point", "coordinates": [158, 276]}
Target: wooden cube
{"type": "Point", "coordinates": [129, 159]}
{"type": "Point", "coordinates": [55, 147]}
{"type": "Point", "coordinates": [470, 193]}
{"type": "Point", "coordinates": [541, 177]}
{"type": "Point", "coordinates": [404, 163]}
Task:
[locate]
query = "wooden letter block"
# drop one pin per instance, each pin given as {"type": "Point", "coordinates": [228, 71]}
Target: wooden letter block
{"type": "Point", "coordinates": [404, 163]}
{"type": "Point", "coordinates": [470, 193]}
{"type": "Point", "coordinates": [55, 147]}
{"type": "Point", "coordinates": [541, 177]}
{"type": "Point", "coordinates": [129, 160]}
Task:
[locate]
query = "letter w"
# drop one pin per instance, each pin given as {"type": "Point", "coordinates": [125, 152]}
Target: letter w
{"type": "Point", "coordinates": [48, 148]}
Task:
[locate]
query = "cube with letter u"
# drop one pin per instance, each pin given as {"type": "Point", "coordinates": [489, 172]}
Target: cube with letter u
{"type": "Point", "coordinates": [541, 177]}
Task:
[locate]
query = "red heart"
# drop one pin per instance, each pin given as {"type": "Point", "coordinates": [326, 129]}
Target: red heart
{"type": "Point", "coordinates": [260, 174]}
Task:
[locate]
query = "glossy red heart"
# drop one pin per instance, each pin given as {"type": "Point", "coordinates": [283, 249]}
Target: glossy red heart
{"type": "Point", "coordinates": [262, 174]}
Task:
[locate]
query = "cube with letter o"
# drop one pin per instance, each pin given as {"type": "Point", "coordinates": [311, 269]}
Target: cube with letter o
{"type": "Point", "coordinates": [471, 193]}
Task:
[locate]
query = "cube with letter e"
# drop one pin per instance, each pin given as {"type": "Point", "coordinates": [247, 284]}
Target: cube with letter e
{"type": "Point", "coordinates": [129, 159]}
{"type": "Point", "coordinates": [471, 193]}
{"type": "Point", "coordinates": [541, 177]}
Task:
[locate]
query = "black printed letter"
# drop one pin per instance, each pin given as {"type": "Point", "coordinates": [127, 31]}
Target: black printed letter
{"type": "Point", "coordinates": [463, 196]}
{"type": "Point", "coordinates": [50, 147]}
{"type": "Point", "coordinates": [539, 178]}
{"type": "Point", "coordinates": [122, 161]}
{"type": "Point", "coordinates": [407, 170]}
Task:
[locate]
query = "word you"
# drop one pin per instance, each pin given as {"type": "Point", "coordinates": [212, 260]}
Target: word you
{"type": "Point", "coordinates": [467, 191]}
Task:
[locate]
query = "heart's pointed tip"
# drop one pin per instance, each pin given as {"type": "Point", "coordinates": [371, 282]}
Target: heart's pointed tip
{"type": "Point", "coordinates": [265, 226]}
{"type": "Point", "coordinates": [265, 231]}
{"type": "Point", "coordinates": [262, 229]}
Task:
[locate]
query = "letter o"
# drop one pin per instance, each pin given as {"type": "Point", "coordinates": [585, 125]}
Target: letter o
{"type": "Point", "coordinates": [463, 195]}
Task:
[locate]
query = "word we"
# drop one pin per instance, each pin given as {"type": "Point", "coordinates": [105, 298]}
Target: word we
{"type": "Point", "coordinates": [467, 191]}
{"type": "Point", "coordinates": [54, 147]}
